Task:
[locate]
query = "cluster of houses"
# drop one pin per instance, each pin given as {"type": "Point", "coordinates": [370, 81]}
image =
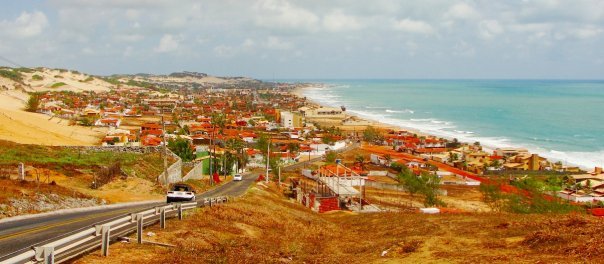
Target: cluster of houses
{"type": "Point", "coordinates": [138, 116]}
{"type": "Point", "coordinates": [470, 157]}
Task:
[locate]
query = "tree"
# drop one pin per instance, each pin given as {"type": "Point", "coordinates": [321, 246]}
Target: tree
{"type": "Point", "coordinates": [453, 156]}
{"type": "Point", "coordinates": [219, 120]}
{"type": "Point", "coordinates": [361, 160]}
{"type": "Point", "coordinates": [262, 143]}
{"type": "Point", "coordinates": [331, 156]}
{"type": "Point", "coordinates": [493, 197]}
{"type": "Point", "coordinates": [236, 145]}
{"type": "Point", "coordinates": [371, 134]}
{"type": "Point", "coordinates": [33, 103]}
{"type": "Point", "coordinates": [182, 148]}
{"type": "Point", "coordinates": [409, 181]}
{"type": "Point", "coordinates": [85, 121]}
{"type": "Point", "coordinates": [426, 184]}
{"type": "Point", "coordinates": [431, 184]}
{"type": "Point", "coordinates": [293, 147]}
{"type": "Point", "coordinates": [388, 159]}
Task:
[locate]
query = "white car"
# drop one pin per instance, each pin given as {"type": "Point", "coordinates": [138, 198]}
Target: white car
{"type": "Point", "coordinates": [237, 177]}
{"type": "Point", "coordinates": [180, 192]}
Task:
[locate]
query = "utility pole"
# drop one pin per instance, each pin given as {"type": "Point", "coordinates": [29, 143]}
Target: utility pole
{"type": "Point", "coordinates": [210, 152]}
{"type": "Point", "coordinates": [165, 152]}
{"type": "Point", "coordinates": [268, 155]}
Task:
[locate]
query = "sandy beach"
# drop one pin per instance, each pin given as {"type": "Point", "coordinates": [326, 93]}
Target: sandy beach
{"type": "Point", "coordinates": [299, 92]}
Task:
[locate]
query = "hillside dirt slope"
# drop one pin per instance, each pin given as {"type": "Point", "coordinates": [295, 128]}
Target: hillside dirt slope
{"type": "Point", "coordinates": [263, 227]}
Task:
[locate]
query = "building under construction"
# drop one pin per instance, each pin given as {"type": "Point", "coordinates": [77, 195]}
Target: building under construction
{"type": "Point", "coordinates": [331, 187]}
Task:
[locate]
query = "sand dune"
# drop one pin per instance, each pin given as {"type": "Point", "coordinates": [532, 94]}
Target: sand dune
{"type": "Point", "coordinates": [31, 128]}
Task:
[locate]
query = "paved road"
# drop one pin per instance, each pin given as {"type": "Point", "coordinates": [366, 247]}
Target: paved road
{"type": "Point", "coordinates": [25, 233]}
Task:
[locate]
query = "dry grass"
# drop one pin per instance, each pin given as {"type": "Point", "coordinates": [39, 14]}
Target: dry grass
{"type": "Point", "coordinates": [262, 227]}
{"type": "Point", "coordinates": [24, 189]}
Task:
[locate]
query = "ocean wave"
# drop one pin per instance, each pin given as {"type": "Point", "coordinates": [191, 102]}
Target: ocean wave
{"type": "Point", "coordinates": [406, 111]}
{"type": "Point", "coordinates": [586, 160]}
{"type": "Point", "coordinates": [447, 129]}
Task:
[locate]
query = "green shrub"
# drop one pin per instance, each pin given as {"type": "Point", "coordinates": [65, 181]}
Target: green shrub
{"type": "Point", "coordinates": [57, 85]}
{"type": "Point", "coordinates": [33, 103]}
{"type": "Point", "coordinates": [11, 74]}
{"type": "Point", "coordinates": [37, 77]}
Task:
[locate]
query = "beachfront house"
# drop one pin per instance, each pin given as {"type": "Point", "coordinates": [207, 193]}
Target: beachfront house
{"type": "Point", "coordinates": [325, 112]}
{"type": "Point", "coordinates": [588, 187]}
{"type": "Point", "coordinates": [290, 120]}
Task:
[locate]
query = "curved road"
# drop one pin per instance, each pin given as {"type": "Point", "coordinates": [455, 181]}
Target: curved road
{"type": "Point", "coordinates": [22, 234]}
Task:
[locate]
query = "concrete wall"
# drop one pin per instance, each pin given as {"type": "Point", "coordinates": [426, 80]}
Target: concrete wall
{"type": "Point", "coordinates": [195, 173]}
{"type": "Point", "coordinates": [580, 199]}
{"type": "Point", "coordinates": [174, 173]}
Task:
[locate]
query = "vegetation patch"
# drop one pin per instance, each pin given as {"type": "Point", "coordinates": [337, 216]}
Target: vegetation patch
{"type": "Point", "coordinates": [57, 85]}
{"type": "Point", "coordinates": [146, 166]}
{"type": "Point", "coordinates": [11, 74]}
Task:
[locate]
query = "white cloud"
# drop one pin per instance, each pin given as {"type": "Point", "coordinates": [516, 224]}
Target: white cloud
{"type": "Point", "coordinates": [168, 43]}
{"type": "Point", "coordinates": [224, 51]}
{"type": "Point", "coordinates": [488, 29]}
{"type": "Point", "coordinates": [413, 26]}
{"type": "Point", "coordinates": [278, 44]}
{"type": "Point", "coordinates": [338, 21]}
{"type": "Point", "coordinates": [587, 32]}
{"type": "Point", "coordinates": [462, 11]}
{"type": "Point", "coordinates": [280, 14]}
{"type": "Point", "coordinates": [129, 37]}
{"type": "Point", "coordinates": [248, 43]}
{"type": "Point", "coordinates": [26, 25]}
{"type": "Point", "coordinates": [531, 27]}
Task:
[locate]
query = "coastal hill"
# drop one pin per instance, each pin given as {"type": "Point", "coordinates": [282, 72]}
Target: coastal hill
{"type": "Point", "coordinates": [190, 79]}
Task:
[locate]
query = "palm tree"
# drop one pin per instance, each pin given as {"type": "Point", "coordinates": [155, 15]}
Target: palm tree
{"type": "Point", "coordinates": [388, 159]}
{"type": "Point", "coordinates": [237, 145]}
{"type": "Point", "coordinates": [361, 160]}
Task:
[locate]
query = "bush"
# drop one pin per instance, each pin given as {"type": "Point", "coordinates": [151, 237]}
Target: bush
{"type": "Point", "coordinates": [57, 85]}
{"type": "Point", "coordinates": [85, 121]}
{"type": "Point", "coordinates": [10, 74]}
{"type": "Point", "coordinates": [530, 199]}
{"type": "Point", "coordinates": [37, 77]}
{"type": "Point", "coordinates": [33, 103]}
{"type": "Point", "coordinates": [426, 184]}
{"type": "Point", "coordinates": [182, 148]}
{"type": "Point", "coordinates": [331, 156]}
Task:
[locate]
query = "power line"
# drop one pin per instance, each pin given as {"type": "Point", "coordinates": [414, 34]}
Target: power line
{"type": "Point", "coordinates": [10, 61]}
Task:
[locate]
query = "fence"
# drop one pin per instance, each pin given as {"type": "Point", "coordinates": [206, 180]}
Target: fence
{"type": "Point", "coordinates": [84, 240]}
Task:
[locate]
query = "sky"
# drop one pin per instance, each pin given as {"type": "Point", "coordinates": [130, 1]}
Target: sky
{"type": "Point", "coordinates": [316, 39]}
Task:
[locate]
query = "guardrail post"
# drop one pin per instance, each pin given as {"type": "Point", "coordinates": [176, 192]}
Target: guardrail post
{"type": "Point", "coordinates": [210, 202]}
{"type": "Point", "coordinates": [179, 211]}
{"type": "Point", "coordinates": [139, 228]}
{"type": "Point", "coordinates": [162, 218]}
{"type": "Point", "coordinates": [105, 230]}
{"type": "Point", "coordinates": [45, 254]}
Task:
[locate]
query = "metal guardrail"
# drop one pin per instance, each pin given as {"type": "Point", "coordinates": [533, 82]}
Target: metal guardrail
{"type": "Point", "coordinates": [100, 234]}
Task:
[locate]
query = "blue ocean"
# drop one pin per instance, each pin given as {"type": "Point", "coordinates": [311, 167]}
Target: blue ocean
{"type": "Point", "coordinates": [559, 119]}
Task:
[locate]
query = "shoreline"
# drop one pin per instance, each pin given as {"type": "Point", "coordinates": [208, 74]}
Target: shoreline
{"type": "Point", "coordinates": [299, 92]}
